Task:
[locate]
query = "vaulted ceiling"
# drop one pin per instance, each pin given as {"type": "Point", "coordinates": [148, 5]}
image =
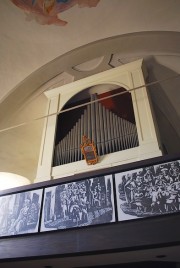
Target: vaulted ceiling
{"type": "Point", "coordinates": [38, 51]}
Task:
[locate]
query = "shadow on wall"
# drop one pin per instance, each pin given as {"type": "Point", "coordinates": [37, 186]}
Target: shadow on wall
{"type": "Point", "coordinates": [165, 97]}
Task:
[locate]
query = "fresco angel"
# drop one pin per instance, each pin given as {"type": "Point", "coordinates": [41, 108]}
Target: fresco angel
{"type": "Point", "coordinates": [46, 12]}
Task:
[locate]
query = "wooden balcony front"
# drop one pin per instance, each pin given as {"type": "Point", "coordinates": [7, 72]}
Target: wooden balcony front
{"type": "Point", "coordinates": [160, 229]}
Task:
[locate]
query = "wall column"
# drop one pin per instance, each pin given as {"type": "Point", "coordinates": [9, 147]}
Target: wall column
{"type": "Point", "coordinates": [47, 145]}
{"type": "Point", "coordinates": [44, 169]}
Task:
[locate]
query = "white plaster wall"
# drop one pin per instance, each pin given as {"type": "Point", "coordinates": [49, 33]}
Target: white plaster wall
{"type": "Point", "coordinates": [27, 46]}
{"type": "Point", "coordinates": [21, 138]}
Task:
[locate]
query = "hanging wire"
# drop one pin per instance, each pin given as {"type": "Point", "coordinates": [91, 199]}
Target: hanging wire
{"type": "Point", "coordinates": [88, 103]}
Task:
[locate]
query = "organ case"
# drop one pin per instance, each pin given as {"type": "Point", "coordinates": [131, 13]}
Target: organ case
{"type": "Point", "coordinates": [117, 140]}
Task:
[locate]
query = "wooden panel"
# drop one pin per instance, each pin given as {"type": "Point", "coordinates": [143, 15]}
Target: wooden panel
{"type": "Point", "coordinates": [105, 171]}
{"type": "Point", "coordinates": [120, 236]}
{"type": "Point", "coordinates": [147, 233]}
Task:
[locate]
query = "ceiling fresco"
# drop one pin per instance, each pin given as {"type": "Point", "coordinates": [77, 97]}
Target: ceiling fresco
{"type": "Point", "coordinates": [32, 33]}
{"type": "Point", "coordinates": [47, 12]}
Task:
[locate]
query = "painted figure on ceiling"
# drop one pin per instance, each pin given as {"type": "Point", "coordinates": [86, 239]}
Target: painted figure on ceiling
{"type": "Point", "coordinates": [46, 12]}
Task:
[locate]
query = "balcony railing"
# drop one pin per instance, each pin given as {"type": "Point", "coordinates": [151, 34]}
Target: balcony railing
{"type": "Point", "coordinates": [105, 210]}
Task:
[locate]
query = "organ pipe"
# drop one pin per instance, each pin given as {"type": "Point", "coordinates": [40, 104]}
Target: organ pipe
{"type": "Point", "coordinates": [109, 132]}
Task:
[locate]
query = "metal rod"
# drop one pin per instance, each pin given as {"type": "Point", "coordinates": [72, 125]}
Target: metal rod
{"type": "Point", "coordinates": [105, 130]}
{"type": "Point", "coordinates": [65, 150]}
{"type": "Point", "coordinates": [76, 142]}
{"type": "Point", "coordinates": [82, 133]}
{"type": "Point", "coordinates": [57, 155]}
{"type": "Point", "coordinates": [93, 119]}
{"type": "Point", "coordinates": [69, 147]}
{"type": "Point", "coordinates": [109, 130]}
{"type": "Point", "coordinates": [78, 139]}
{"type": "Point", "coordinates": [60, 153]}
{"type": "Point", "coordinates": [115, 132]}
{"type": "Point", "coordinates": [62, 146]}
{"type": "Point", "coordinates": [85, 132]}
{"type": "Point", "coordinates": [121, 133]}
{"type": "Point", "coordinates": [89, 121]}
{"type": "Point", "coordinates": [97, 127]}
{"type": "Point", "coordinates": [73, 143]}
{"type": "Point", "coordinates": [126, 125]}
{"type": "Point", "coordinates": [101, 127]}
{"type": "Point", "coordinates": [112, 136]}
{"type": "Point", "coordinates": [124, 133]}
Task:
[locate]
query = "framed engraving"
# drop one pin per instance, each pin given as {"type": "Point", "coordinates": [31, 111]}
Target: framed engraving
{"type": "Point", "coordinates": [19, 213]}
{"type": "Point", "coordinates": [77, 204]}
{"type": "Point", "coordinates": [148, 191]}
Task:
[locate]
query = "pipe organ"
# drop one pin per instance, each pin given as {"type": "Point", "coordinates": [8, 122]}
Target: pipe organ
{"type": "Point", "coordinates": [119, 139]}
{"type": "Point", "coordinates": [109, 132]}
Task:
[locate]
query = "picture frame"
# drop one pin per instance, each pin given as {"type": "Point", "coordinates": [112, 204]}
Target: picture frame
{"type": "Point", "coordinates": [78, 204]}
{"type": "Point", "coordinates": [20, 212]}
{"type": "Point", "coordinates": [148, 191]}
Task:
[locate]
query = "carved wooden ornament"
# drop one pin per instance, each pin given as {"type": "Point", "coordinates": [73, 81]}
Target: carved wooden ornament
{"type": "Point", "coordinates": [89, 151]}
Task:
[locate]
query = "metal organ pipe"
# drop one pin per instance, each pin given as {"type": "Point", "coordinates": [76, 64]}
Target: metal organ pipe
{"type": "Point", "coordinates": [105, 131]}
{"type": "Point", "coordinates": [109, 132]}
{"type": "Point", "coordinates": [101, 129]}
{"type": "Point", "coordinates": [97, 127]}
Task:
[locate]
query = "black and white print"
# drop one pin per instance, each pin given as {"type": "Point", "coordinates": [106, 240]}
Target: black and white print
{"type": "Point", "coordinates": [148, 191]}
{"type": "Point", "coordinates": [80, 203]}
{"type": "Point", "coordinates": [19, 213]}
